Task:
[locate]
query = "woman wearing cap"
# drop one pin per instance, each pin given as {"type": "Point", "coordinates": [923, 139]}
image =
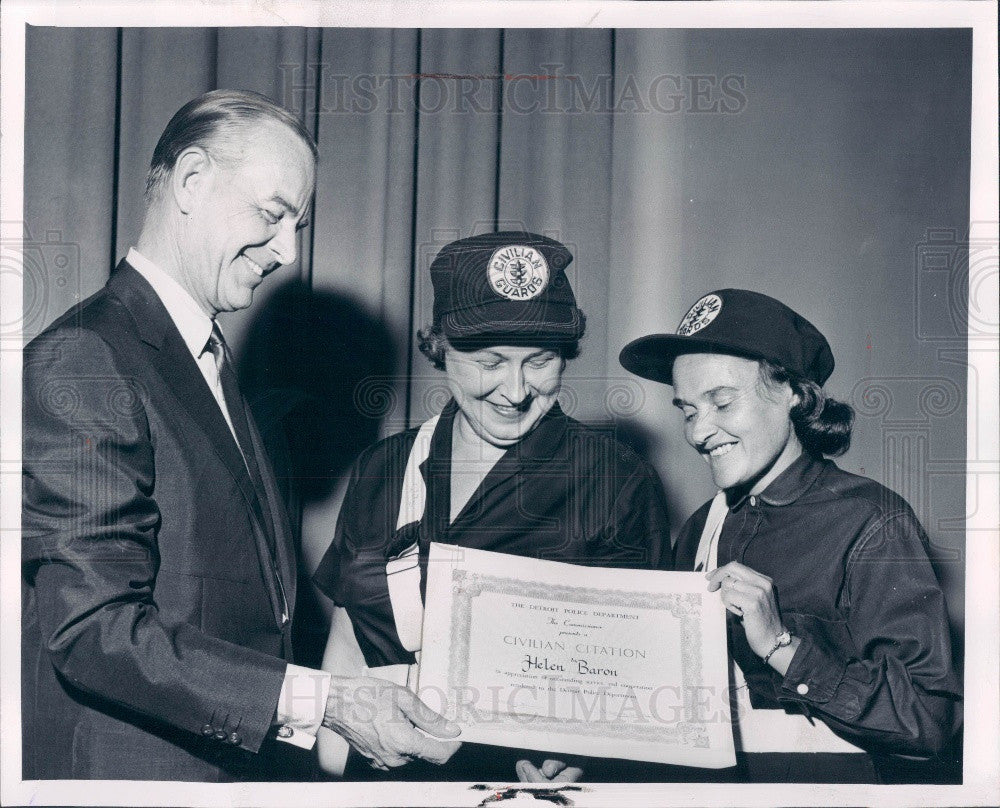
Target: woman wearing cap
{"type": "Point", "coordinates": [837, 626]}
{"type": "Point", "coordinates": [501, 468]}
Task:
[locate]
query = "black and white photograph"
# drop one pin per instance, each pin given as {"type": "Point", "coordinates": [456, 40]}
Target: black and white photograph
{"type": "Point", "coordinates": [504, 402]}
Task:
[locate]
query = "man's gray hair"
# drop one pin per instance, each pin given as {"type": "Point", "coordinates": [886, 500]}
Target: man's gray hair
{"type": "Point", "coordinates": [209, 121]}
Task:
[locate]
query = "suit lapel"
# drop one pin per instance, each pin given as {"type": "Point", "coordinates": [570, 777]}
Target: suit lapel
{"type": "Point", "coordinates": [173, 362]}
{"type": "Point", "coordinates": [175, 365]}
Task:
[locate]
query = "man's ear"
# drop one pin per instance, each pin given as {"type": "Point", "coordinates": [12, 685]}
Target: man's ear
{"type": "Point", "coordinates": [192, 172]}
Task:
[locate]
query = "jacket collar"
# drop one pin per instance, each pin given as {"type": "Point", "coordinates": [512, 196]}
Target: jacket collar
{"type": "Point", "coordinates": [788, 486]}
{"type": "Point", "coordinates": [152, 321]}
{"type": "Point", "coordinates": [178, 369]}
{"type": "Point", "coordinates": [195, 325]}
{"type": "Point", "coordinates": [538, 446]}
{"type": "Point", "coordinates": [546, 438]}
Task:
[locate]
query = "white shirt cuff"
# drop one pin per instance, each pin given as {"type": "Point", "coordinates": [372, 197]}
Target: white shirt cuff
{"type": "Point", "coordinates": [301, 705]}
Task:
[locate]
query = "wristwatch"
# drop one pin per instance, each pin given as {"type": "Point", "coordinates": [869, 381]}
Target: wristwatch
{"type": "Point", "coordinates": [783, 639]}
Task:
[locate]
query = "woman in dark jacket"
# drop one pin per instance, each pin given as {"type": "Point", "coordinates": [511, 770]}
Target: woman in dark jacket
{"type": "Point", "coordinates": [501, 468]}
{"type": "Point", "coordinates": [838, 630]}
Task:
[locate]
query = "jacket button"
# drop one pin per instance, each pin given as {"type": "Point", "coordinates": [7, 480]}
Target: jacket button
{"type": "Point", "coordinates": [753, 502]}
{"type": "Point", "coordinates": [235, 739]}
{"type": "Point", "coordinates": [208, 729]}
{"type": "Point", "coordinates": [220, 735]}
{"type": "Point", "coordinates": [802, 688]}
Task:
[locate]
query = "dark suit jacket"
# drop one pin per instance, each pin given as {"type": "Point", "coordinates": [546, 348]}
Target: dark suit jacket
{"type": "Point", "coordinates": [153, 641]}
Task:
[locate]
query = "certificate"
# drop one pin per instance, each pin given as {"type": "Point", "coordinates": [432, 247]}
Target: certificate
{"type": "Point", "coordinates": [579, 660]}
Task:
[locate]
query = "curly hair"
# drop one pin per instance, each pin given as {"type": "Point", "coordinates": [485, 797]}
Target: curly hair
{"type": "Point", "coordinates": [433, 344]}
{"type": "Point", "coordinates": [822, 424]}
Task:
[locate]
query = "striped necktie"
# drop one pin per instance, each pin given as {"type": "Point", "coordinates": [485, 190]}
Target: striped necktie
{"type": "Point", "coordinates": [236, 407]}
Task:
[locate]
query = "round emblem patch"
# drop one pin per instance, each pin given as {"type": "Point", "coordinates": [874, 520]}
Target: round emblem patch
{"type": "Point", "coordinates": [699, 315]}
{"type": "Point", "coordinates": [518, 272]}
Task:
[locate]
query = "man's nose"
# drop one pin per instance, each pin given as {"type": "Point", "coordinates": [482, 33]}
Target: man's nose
{"type": "Point", "coordinates": [284, 243]}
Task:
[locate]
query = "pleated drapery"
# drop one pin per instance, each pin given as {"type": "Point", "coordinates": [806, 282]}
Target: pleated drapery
{"type": "Point", "coordinates": [809, 165]}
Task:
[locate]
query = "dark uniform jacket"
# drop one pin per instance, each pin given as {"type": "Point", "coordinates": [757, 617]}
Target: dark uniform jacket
{"type": "Point", "coordinates": [153, 641]}
{"type": "Point", "coordinates": [566, 492]}
{"type": "Point", "coordinates": [849, 563]}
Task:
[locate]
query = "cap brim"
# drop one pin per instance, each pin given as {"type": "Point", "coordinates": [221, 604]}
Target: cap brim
{"type": "Point", "coordinates": [500, 320]}
{"type": "Point", "coordinates": [652, 357]}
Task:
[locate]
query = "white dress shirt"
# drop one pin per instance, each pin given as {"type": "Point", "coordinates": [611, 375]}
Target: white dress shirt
{"type": "Point", "coordinates": [304, 691]}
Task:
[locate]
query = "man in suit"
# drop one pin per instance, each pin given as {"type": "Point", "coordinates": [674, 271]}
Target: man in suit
{"type": "Point", "coordinates": [158, 577]}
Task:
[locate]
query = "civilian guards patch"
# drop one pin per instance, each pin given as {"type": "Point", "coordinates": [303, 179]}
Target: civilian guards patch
{"type": "Point", "coordinates": [700, 315]}
{"type": "Point", "coordinates": [518, 272]}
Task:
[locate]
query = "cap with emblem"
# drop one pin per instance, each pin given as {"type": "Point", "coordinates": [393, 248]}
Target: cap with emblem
{"type": "Point", "coordinates": [510, 286]}
{"type": "Point", "coordinates": [738, 322]}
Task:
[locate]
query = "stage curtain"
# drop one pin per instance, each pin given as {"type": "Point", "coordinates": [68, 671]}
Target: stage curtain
{"type": "Point", "coordinates": [815, 178]}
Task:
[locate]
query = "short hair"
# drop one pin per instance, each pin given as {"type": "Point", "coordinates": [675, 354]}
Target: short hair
{"type": "Point", "coordinates": [207, 120]}
{"type": "Point", "coordinates": [822, 424]}
{"type": "Point", "coordinates": [433, 344]}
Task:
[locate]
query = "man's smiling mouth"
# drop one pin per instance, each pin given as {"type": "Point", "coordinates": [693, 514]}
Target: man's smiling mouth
{"type": "Point", "coordinates": [258, 270]}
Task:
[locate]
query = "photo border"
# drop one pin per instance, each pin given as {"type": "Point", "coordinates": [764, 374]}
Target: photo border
{"type": "Point", "coordinates": [982, 648]}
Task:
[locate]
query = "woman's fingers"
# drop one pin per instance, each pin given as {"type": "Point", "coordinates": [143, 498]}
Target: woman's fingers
{"type": "Point", "coordinates": [551, 771]}
{"type": "Point", "coordinates": [550, 768]}
{"type": "Point", "coordinates": [527, 772]}
{"type": "Point", "coordinates": [738, 572]}
{"type": "Point", "coordinates": [736, 602]}
{"type": "Point", "coordinates": [751, 597]}
{"type": "Point", "coordinates": [756, 607]}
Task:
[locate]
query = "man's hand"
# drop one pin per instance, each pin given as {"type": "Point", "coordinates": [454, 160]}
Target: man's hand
{"type": "Point", "coordinates": [751, 596]}
{"type": "Point", "coordinates": [379, 719]}
{"type": "Point", "coordinates": [551, 771]}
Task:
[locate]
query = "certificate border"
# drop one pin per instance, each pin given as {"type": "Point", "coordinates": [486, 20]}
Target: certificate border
{"type": "Point", "coordinates": [468, 585]}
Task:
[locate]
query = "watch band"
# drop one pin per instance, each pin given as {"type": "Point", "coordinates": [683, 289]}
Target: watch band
{"type": "Point", "coordinates": [783, 640]}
